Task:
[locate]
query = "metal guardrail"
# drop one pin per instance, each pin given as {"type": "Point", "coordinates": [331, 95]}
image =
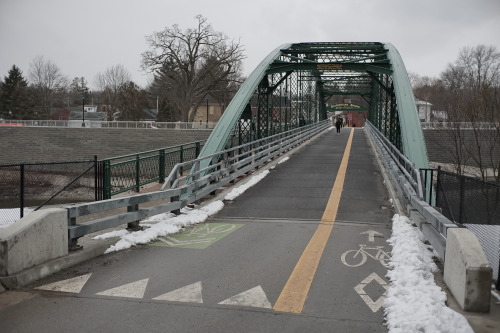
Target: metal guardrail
{"type": "Point", "coordinates": [411, 173]}
{"type": "Point", "coordinates": [109, 124]}
{"type": "Point", "coordinates": [410, 188]}
{"type": "Point", "coordinates": [225, 167]}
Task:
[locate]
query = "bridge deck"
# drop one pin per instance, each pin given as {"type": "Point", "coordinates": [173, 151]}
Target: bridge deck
{"type": "Point", "coordinates": [235, 272]}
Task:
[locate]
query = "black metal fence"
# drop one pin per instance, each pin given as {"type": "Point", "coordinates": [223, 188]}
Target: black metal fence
{"type": "Point", "coordinates": [28, 187]}
{"type": "Point", "coordinates": [470, 203]}
{"type": "Point", "coordinates": [467, 200]}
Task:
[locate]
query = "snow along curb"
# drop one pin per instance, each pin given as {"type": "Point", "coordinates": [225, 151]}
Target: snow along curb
{"type": "Point", "coordinates": [414, 302]}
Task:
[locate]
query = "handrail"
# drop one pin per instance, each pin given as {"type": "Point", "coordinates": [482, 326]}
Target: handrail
{"type": "Point", "coordinates": [411, 173]}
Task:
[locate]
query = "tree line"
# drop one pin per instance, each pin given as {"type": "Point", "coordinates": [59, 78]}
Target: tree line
{"type": "Point", "coordinates": [188, 66]}
{"type": "Point", "coordinates": [468, 94]}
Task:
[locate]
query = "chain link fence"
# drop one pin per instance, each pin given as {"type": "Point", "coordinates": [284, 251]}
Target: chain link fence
{"type": "Point", "coordinates": [474, 204]}
{"type": "Point", "coordinates": [28, 187]}
{"type": "Point", "coordinates": [130, 172]}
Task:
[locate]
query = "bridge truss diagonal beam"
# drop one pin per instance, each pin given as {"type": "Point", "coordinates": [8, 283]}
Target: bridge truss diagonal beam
{"type": "Point", "coordinates": [293, 84]}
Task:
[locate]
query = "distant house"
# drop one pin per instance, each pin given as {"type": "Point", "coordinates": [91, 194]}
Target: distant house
{"type": "Point", "coordinates": [210, 111]}
{"type": "Point", "coordinates": [94, 116]}
{"type": "Point", "coordinates": [90, 108]}
{"type": "Point", "coordinates": [424, 110]}
{"type": "Point", "coordinates": [60, 113]}
{"type": "Point", "coordinates": [75, 113]}
{"type": "Point", "coordinates": [146, 115]}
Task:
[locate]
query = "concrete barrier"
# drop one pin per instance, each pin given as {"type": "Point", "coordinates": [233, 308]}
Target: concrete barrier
{"type": "Point", "coordinates": [35, 239]}
{"type": "Point", "coordinates": [467, 272]}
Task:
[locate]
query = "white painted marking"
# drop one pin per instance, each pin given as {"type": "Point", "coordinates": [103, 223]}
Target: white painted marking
{"type": "Point", "coordinates": [73, 285]}
{"type": "Point", "coordinates": [255, 297]}
{"type": "Point", "coordinates": [130, 290]}
{"type": "Point", "coordinates": [360, 289]}
{"type": "Point", "coordinates": [187, 294]}
{"type": "Point", "coordinates": [371, 235]}
{"type": "Point", "coordinates": [355, 258]}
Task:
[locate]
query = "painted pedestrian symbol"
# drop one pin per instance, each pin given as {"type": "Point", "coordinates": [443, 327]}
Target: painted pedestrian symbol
{"type": "Point", "coordinates": [355, 258]}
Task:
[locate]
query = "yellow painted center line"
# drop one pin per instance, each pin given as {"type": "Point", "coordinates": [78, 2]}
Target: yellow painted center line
{"type": "Point", "coordinates": [294, 294]}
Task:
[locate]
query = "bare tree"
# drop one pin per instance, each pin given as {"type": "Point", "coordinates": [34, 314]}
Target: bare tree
{"type": "Point", "coordinates": [49, 82]}
{"type": "Point", "coordinates": [110, 83]}
{"type": "Point", "coordinates": [473, 85]}
{"type": "Point", "coordinates": [189, 65]}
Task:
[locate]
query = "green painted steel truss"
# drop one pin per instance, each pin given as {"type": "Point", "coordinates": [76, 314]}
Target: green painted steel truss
{"type": "Point", "coordinates": [295, 83]}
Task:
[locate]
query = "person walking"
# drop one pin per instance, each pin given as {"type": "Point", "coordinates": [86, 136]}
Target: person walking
{"type": "Point", "coordinates": [338, 124]}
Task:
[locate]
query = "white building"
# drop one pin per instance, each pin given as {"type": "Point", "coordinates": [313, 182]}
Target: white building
{"type": "Point", "coordinates": [424, 110]}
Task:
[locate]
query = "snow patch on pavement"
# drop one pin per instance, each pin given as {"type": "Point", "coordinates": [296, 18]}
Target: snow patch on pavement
{"type": "Point", "coordinates": [165, 224]}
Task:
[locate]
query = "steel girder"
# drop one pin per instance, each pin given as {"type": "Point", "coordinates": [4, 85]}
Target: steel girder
{"type": "Point", "coordinates": [292, 85]}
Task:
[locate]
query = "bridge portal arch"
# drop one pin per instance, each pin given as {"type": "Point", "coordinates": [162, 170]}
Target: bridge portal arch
{"type": "Point", "coordinates": [294, 83]}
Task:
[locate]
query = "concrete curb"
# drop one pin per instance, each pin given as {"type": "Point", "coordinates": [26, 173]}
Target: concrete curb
{"type": "Point", "coordinates": [30, 275]}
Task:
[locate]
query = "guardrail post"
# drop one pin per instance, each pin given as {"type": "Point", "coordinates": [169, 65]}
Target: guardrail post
{"type": "Point", "coordinates": [21, 188]}
{"type": "Point", "coordinates": [73, 242]}
{"type": "Point", "coordinates": [133, 226]}
{"type": "Point", "coordinates": [196, 177]}
{"type": "Point", "coordinates": [161, 167]}
{"type": "Point", "coordinates": [107, 179]}
{"type": "Point", "coordinates": [96, 179]}
{"type": "Point", "coordinates": [431, 186]}
{"type": "Point", "coordinates": [175, 198]}
{"type": "Point", "coordinates": [462, 197]}
{"type": "Point", "coordinates": [234, 161]}
{"type": "Point", "coordinates": [137, 173]}
{"type": "Point", "coordinates": [181, 157]}
{"type": "Point", "coordinates": [198, 148]}
{"type": "Point", "coordinates": [438, 183]}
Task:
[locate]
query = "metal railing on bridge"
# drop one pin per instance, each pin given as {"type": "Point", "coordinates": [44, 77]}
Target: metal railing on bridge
{"type": "Point", "coordinates": [460, 200]}
{"type": "Point", "coordinates": [224, 167]}
{"type": "Point", "coordinates": [411, 173]}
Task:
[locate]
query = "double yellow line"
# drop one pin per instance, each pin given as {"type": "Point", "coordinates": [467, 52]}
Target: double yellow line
{"type": "Point", "coordinates": [294, 294]}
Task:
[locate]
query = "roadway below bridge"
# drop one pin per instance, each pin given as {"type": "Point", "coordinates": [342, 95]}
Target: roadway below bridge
{"type": "Point", "coordinates": [304, 250]}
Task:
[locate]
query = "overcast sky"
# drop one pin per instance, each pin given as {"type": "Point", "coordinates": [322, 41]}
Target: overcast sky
{"type": "Point", "coordinates": [84, 38]}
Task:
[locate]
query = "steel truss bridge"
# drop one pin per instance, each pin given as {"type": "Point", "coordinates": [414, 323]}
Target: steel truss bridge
{"type": "Point", "coordinates": [293, 85]}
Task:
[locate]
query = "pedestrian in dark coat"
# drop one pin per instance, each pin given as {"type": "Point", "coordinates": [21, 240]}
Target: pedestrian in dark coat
{"type": "Point", "coordinates": [338, 125]}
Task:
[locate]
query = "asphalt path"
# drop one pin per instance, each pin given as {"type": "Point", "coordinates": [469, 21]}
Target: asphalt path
{"type": "Point", "coordinates": [229, 274]}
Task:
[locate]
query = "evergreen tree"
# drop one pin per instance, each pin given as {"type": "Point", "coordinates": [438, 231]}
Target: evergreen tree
{"type": "Point", "coordinates": [132, 101]}
{"type": "Point", "coordinates": [13, 98]}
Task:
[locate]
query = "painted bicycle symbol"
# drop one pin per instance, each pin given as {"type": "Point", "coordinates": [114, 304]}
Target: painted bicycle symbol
{"type": "Point", "coordinates": [207, 229]}
{"type": "Point", "coordinates": [205, 233]}
{"type": "Point", "coordinates": [355, 258]}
